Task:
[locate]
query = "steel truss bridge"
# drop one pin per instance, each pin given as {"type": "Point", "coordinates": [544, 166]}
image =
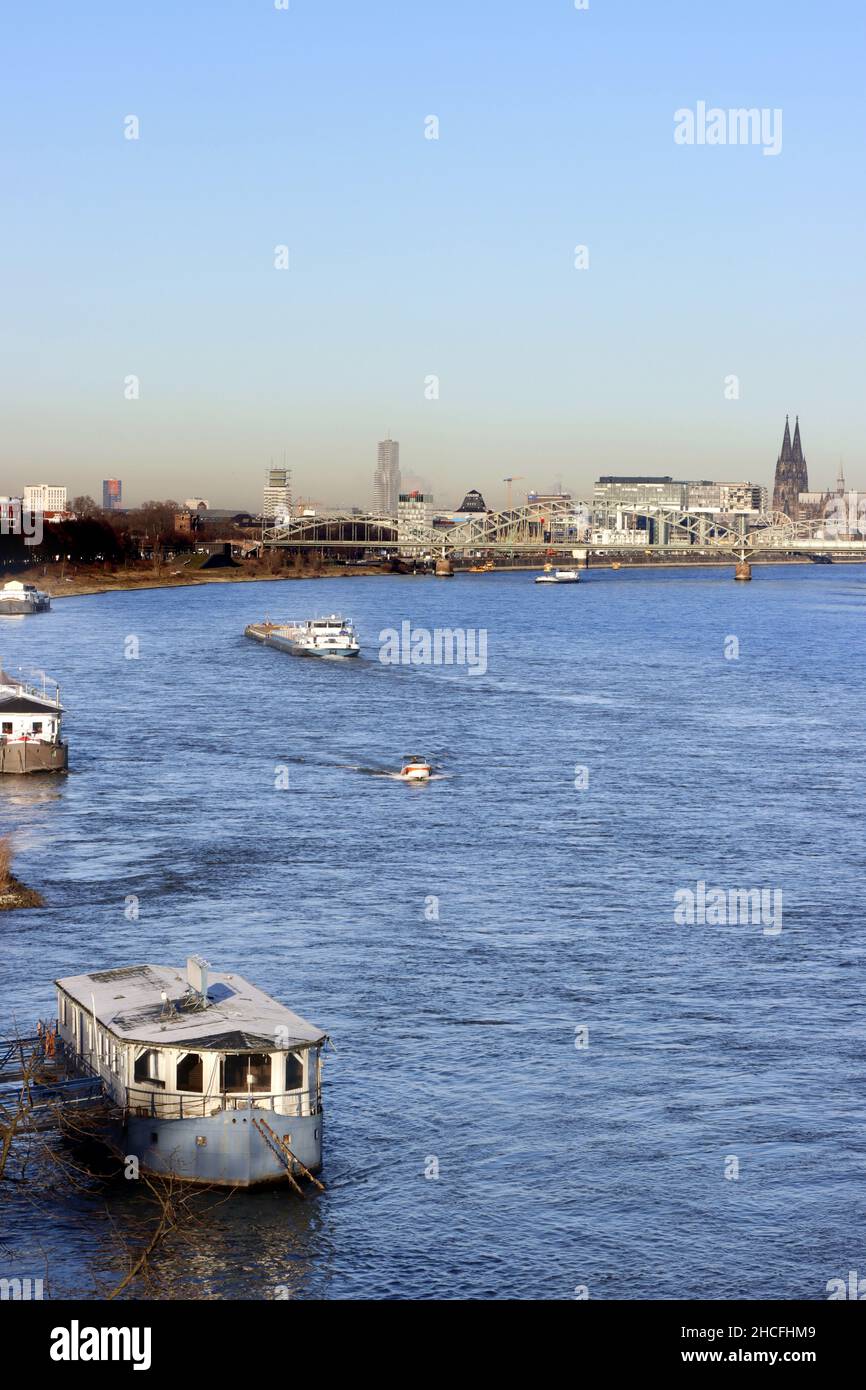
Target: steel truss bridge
{"type": "Point", "coordinates": [538, 528]}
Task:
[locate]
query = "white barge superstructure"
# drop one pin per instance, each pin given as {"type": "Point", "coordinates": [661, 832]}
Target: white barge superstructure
{"type": "Point", "coordinates": [17, 597]}
{"type": "Point", "coordinates": [31, 738]}
{"type": "Point", "coordinates": [331, 636]}
{"type": "Point", "coordinates": [207, 1077]}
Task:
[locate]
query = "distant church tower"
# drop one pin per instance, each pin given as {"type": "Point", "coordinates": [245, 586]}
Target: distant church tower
{"type": "Point", "coordinates": [791, 475]}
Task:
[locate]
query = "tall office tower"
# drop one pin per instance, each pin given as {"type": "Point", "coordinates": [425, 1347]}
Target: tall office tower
{"type": "Point", "coordinates": [791, 475]}
{"type": "Point", "coordinates": [111, 494]}
{"type": "Point", "coordinates": [414, 519]}
{"type": "Point", "coordinates": [44, 497]}
{"type": "Point", "coordinates": [278, 494]}
{"type": "Point", "coordinates": [386, 479]}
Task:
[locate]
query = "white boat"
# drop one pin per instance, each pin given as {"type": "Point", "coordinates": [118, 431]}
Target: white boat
{"type": "Point", "coordinates": [558, 576]}
{"type": "Point", "coordinates": [30, 727]}
{"type": "Point", "coordinates": [415, 770]}
{"type": "Point", "coordinates": [331, 636]}
{"type": "Point", "coordinates": [18, 597]}
{"type": "Point", "coordinates": [207, 1078]}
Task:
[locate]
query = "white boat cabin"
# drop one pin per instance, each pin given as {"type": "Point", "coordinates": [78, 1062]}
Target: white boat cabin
{"type": "Point", "coordinates": [16, 591]}
{"type": "Point", "coordinates": [175, 1046]}
{"type": "Point", "coordinates": [27, 712]}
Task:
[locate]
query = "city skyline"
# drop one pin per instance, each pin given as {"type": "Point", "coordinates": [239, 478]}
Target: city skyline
{"type": "Point", "coordinates": [180, 346]}
{"type": "Point", "coordinates": [278, 486]}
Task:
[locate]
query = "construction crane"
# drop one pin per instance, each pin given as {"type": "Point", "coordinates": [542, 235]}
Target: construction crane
{"type": "Point", "coordinates": [518, 477]}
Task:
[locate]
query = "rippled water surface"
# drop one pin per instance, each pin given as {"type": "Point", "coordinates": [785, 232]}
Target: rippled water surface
{"type": "Point", "coordinates": [558, 1166]}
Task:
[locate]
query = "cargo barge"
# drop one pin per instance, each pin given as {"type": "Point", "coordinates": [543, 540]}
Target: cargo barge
{"type": "Point", "coordinates": [332, 636]}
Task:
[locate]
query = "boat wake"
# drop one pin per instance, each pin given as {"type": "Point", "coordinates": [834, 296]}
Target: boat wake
{"type": "Point", "coordinates": [390, 776]}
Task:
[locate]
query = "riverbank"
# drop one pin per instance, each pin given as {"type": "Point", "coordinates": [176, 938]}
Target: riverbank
{"type": "Point", "coordinates": [14, 893]}
{"type": "Point", "coordinates": [76, 581]}
{"type": "Point", "coordinates": [65, 581]}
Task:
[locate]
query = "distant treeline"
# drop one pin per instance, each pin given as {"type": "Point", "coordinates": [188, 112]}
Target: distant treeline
{"type": "Point", "coordinates": [96, 536]}
{"type": "Point", "coordinates": [86, 541]}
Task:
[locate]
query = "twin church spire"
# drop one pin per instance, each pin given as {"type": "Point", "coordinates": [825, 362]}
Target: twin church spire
{"type": "Point", "coordinates": [792, 476]}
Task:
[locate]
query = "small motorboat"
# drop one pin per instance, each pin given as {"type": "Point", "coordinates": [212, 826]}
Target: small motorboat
{"type": "Point", "coordinates": [415, 770]}
{"type": "Point", "coordinates": [558, 576]}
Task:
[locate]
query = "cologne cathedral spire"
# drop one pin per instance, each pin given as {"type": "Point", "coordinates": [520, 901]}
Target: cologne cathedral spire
{"type": "Point", "coordinates": [791, 475]}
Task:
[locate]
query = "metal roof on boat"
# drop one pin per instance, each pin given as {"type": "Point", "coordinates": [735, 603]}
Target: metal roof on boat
{"type": "Point", "coordinates": [26, 704]}
{"type": "Point", "coordinates": [239, 1016]}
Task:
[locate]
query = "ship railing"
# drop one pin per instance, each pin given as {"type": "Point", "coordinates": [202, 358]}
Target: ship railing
{"type": "Point", "coordinates": [162, 1105]}
{"type": "Point", "coordinates": [77, 1060]}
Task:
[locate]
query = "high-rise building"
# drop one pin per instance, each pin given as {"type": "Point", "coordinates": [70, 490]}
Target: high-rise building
{"type": "Point", "coordinates": [386, 479]}
{"type": "Point", "coordinates": [414, 515]}
{"type": "Point", "coordinates": [44, 497]}
{"type": "Point", "coordinates": [112, 492]}
{"type": "Point", "coordinates": [278, 494]}
{"type": "Point", "coordinates": [791, 475]}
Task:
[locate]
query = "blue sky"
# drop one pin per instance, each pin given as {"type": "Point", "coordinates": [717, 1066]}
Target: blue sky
{"type": "Point", "coordinates": [412, 257]}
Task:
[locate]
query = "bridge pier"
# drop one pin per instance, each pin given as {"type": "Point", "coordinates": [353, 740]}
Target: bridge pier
{"type": "Point", "coordinates": [743, 570]}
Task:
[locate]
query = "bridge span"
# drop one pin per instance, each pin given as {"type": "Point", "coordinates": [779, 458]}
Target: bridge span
{"type": "Point", "coordinates": [539, 529]}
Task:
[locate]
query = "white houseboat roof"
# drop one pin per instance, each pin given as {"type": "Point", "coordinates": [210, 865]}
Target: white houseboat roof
{"type": "Point", "coordinates": [20, 697]}
{"type": "Point", "coordinates": [128, 1001]}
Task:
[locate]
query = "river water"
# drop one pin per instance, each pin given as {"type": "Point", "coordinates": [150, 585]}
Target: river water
{"type": "Point", "coordinates": [613, 1100]}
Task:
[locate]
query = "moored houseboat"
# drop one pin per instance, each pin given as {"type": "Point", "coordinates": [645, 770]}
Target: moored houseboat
{"type": "Point", "coordinates": [209, 1079]}
{"type": "Point", "coordinates": [30, 727]}
{"type": "Point", "coordinates": [17, 597]}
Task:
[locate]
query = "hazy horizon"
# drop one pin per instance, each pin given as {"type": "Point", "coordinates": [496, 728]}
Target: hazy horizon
{"type": "Point", "coordinates": [412, 257]}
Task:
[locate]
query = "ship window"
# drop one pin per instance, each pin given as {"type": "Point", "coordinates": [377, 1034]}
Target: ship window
{"type": "Point", "coordinates": [190, 1072]}
{"type": "Point", "coordinates": [147, 1067]}
{"type": "Point", "coordinates": [7, 726]}
{"type": "Point", "coordinates": [249, 1071]}
{"type": "Point", "coordinates": [294, 1072]}
{"type": "Point", "coordinates": [37, 727]}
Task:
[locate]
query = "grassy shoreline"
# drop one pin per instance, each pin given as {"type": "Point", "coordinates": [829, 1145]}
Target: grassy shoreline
{"type": "Point", "coordinates": [91, 581]}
